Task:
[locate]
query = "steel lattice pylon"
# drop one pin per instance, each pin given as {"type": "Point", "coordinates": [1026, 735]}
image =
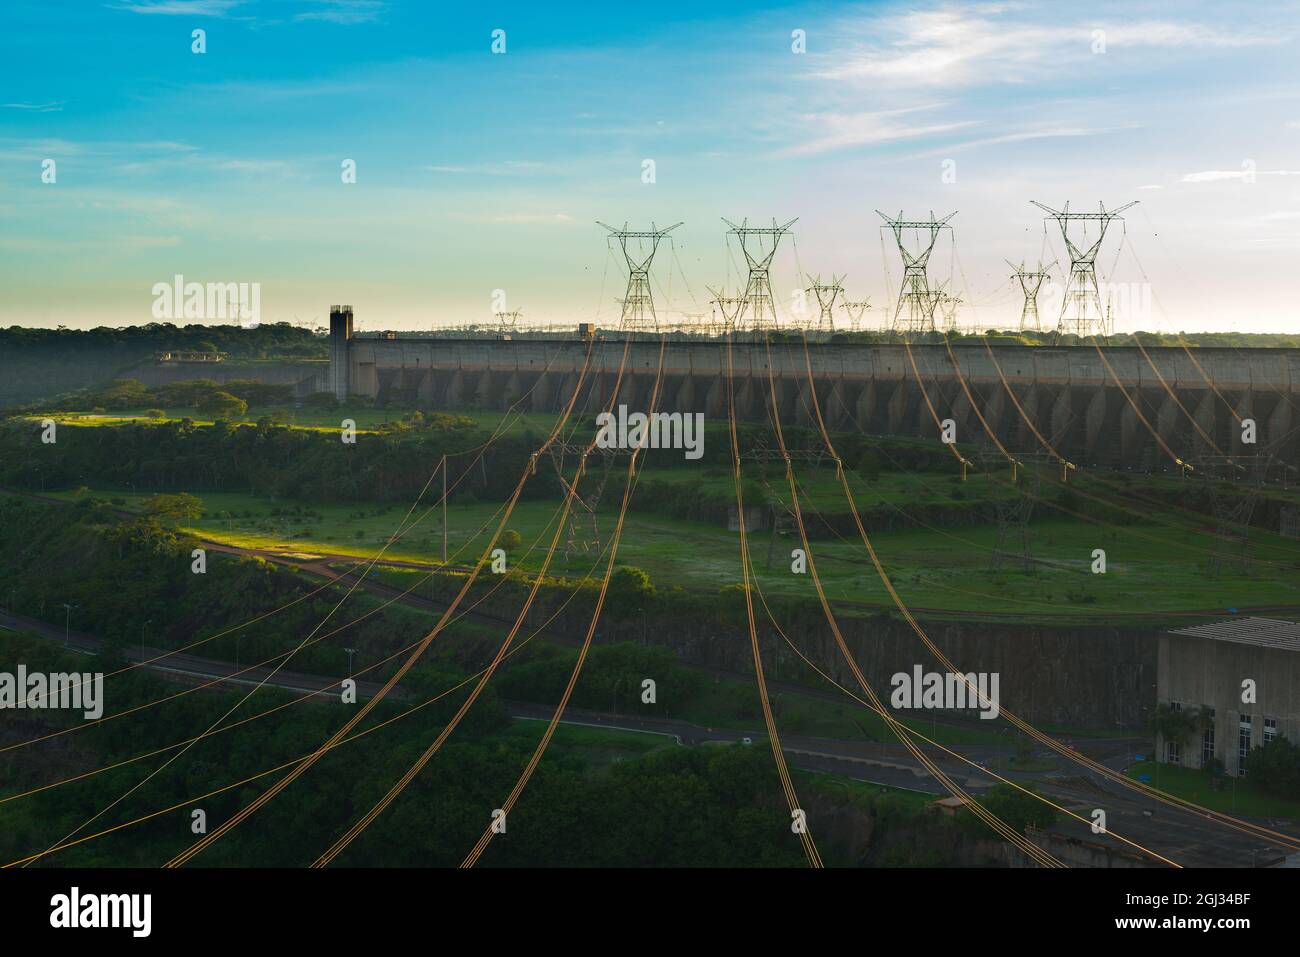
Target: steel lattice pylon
{"type": "Point", "coordinates": [758, 288]}
{"type": "Point", "coordinates": [856, 311]}
{"type": "Point", "coordinates": [946, 306]}
{"type": "Point", "coordinates": [638, 304]}
{"type": "Point", "coordinates": [1031, 280]}
{"type": "Point", "coordinates": [507, 322]}
{"type": "Point", "coordinates": [1014, 542]}
{"type": "Point", "coordinates": [915, 289]}
{"type": "Point", "coordinates": [826, 294]}
{"type": "Point", "coordinates": [1081, 290]}
{"type": "Point", "coordinates": [731, 308]}
{"type": "Point", "coordinates": [1235, 485]}
{"type": "Point", "coordinates": [582, 533]}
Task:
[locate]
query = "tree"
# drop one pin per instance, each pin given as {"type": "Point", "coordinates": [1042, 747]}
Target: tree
{"type": "Point", "coordinates": [223, 405]}
{"type": "Point", "coordinates": [630, 591]}
{"type": "Point", "coordinates": [175, 507]}
{"type": "Point", "coordinates": [1018, 809]}
{"type": "Point", "coordinates": [1275, 767]}
{"type": "Point", "coordinates": [510, 540]}
{"type": "Point", "coordinates": [869, 465]}
{"type": "Point", "coordinates": [1176, 724]}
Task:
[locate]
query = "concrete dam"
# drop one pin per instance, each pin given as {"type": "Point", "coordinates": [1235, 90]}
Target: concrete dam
{"type": "Point", "coordinates": [1095, 406]}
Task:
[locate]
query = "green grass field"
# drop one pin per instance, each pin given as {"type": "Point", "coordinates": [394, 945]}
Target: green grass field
{"type": "Point", "coordinates": [1151, 568]}
{"type": "Point", "coordinates": [1235, 795]}
{"type": "Point", "coordinates": [321, 420]}
{"type": "Point", "coordinates": [598, 746]}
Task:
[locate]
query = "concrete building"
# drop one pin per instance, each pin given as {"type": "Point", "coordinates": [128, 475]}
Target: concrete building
{"type": "Point", "coordinates": [1207, 666]}
{"type": "Point", "coordinates": [1096, 406]}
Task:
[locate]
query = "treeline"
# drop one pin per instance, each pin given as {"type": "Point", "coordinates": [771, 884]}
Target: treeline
{"type": "Point", "coordinates": [307, 465]}
{"type": "Point", "coordinates": [275, 340]}
{"type": "Point", "coordinates": [265, 459]}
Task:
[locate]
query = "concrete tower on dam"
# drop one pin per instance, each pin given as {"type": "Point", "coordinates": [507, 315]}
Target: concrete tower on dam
{"type": "Point", "coordinates": [1093, 404]}
{"type": "Point", "coordinates": [340, 340]}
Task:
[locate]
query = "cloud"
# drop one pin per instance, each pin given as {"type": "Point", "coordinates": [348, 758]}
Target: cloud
{"type": "Point", "coordinates": [37, 107]}
{"type": "Point", "coordinates": [507, 168]}
{"type": "Point", "coordinates": [520, 219]}
{"type": "Point", "coordinates": [345, 12]}
{"type": "Point", "coordinates": [326, 11]}
{"type": "Point", "coordinates": [1023, 136]}
{"type": "Point", "coordinates": [844, 130]}
{"type": "Point", "coordinates": [953, 46]}
{"type": "Point", "coordinates": [180, 8]}
{"type": "Point", "coordinates": [531, 218]}
{"type": "Point", "coordinates": [1218, 175]}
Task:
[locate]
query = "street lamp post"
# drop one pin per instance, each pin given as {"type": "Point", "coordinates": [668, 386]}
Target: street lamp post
{"type": "Point", "coordinates": [67, 618]}
{"type": "Point", "coordinates": [351, 652]}
{"type": "Point", "coordinates": [148, 622]}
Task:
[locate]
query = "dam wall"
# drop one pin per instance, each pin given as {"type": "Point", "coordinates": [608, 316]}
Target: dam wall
{"type": "Point", "coordinates": [1095, 406]}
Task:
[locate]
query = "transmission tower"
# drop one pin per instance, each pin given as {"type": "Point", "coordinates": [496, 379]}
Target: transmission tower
{"type": "Point", "coordinates": [1082, 291]}
{"type": "Point", "coordinates": [730, 307]}
{"type": "Point", "coordinates": [1233, 506]}
{"type": "Point", "coordinates": [507, 322]}
{"type": "Point", "coordinates": [856, 311]}
{"type": "Point", "coordinates": [758, 290]}
{"type": "Point", "coordinates": [1013, 545]}
{"type": "Point", "coordinates": [915, 290]}
{"type": "Point", "coordinates": [582, 533]}
{"type": "Point", "coordinates": [638, 305]}
{"type": "Point", "coordinates": [1031, 280]}
{"type": "Point", "coordinates": [946, 306]}
{"type": "Point", "coordinates": [826, 294]}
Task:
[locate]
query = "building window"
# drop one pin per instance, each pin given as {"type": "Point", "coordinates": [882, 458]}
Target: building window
{"type": "Point", "coordinates": [1243, 742]}
{"type": "Point", "coordinates": [1171, 752]}
{"type": "Point", "coordinates": [1270, 729]}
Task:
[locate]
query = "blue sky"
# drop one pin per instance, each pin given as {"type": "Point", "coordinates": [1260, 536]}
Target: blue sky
{"type": "Point", "coordinates": [478, 172]}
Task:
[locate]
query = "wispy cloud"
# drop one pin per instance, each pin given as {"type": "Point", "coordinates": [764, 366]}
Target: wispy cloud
{"type": "Point", "coordinates": [37, 107]}
{"type": "Point", "coordinates": [844, 130]}
{"type": "Point", "coordinates": [507, 168]}
{"type": "Point", "coordinates": [180, 8]}
{"type": "Point", "coordinates": [1218, 175]}
{"type": "Point", "coordinates": [962, 46]}
{"type": "Point", "coordinates": [345, 11]}
{"type": "Point", "coordinates": [518, 219]}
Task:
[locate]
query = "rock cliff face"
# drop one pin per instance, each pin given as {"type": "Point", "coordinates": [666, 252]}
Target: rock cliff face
{"type": "Point", "coordinates": [1082, 677]}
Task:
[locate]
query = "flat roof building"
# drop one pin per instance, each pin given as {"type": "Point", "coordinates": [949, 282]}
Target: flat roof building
{"type": "Point", "coordinates": [1242, 676]}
